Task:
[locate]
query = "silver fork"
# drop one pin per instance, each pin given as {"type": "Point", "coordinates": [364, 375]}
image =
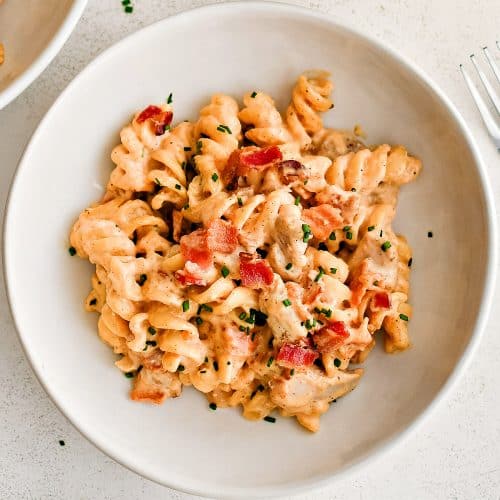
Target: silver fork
{"type": "Point", "coordinates": [489, 119]}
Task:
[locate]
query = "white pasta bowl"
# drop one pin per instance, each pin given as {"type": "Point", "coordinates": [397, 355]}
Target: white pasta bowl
{"type": "Point", "coordinates": [32, 33]}
{"type": "Point", "coordinates": [234, 48]}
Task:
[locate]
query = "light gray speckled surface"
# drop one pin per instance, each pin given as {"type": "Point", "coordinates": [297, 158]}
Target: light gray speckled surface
{"type": "Point", "coordinates": [455, 454]}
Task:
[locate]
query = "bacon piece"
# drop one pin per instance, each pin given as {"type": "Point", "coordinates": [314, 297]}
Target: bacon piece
{"type": "Point", "coordinates": [381, 300]}
{"type": "Point", "coordinates": [222, 236]}
{"type": "Point", "coordinates": [161, 119]}
{"type": "Point", "coordinates": [194, 248]}
{"type": "Point", "coordinates": [237, 343]}
{"type": "Point", "coordinates": [254, 272]}
{"type": "Point", "coordinates": [291, 170]}
{"type": "Point", "coordinates": [292, 356]}
{"type": "Point", "coordinates": [331, 336]}
{"type": "Point", "coordinates": [186, 279]}
{"type": "Point", "coordinates": [243, 160]}
{"type": "Point", "coordinates": [323, 219]}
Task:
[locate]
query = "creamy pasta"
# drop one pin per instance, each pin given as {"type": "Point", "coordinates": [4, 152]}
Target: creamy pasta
{"type": "Point", "coordinates": [249, 254]}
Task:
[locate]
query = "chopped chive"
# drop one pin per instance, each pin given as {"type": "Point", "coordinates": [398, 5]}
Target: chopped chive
{"type": "Point", "coordinates": [375, 283]}
{"type": "Point", "coordinates": [250, 320]}
{"type": "Point", "coordinates": [187, 148]}
{"type": "Point", "coordinates": [203, 371]}
{"type": "Point", "coordinates": [142, 279]}
{"type": "Point", "coordinates": [410, 262]}
{"type": "Point", "coordinates": [72, 251]}
{"type": "Point", "coordinates": [212, 406]}
{"type": "Point", "coordinates": [292, 372]}
{"type": "Point", "coordinates": [152, 330]}
{"type": "Point", "coordinates": [381, 233]}
{"type": "Point", "coordinates": [180, 368]}
{"type": "Point", "coordinates": [287, 303]}
{"type": "Point", "coordinates": [386, 245]}
{"type": "Point", "coordinates": [93, 302]}
{"type": "Point", "coordinates": [308, 324]}
{"type": "Point", "coordinates": [206, 307]}
{"type": "Point", "coordinates": [177, 186]}
{"type": "Point", "coordinates": [216, 366]}
{"type": "Point", "coordinates": [371, 228]}
{"type": "Point", "coordinates": [322, 246]}
{"type": "Point", "coordinates": [270, 361]}
{"type": "Point", "coordinates": [333, 270]}
{"type": "Point", "coordinates": [224, 271]}
{"type": "Point", "coordinates": [242, 328]}
{"type": "Point", "coordinates": [306, 181]}
{"type": "Point", "coordinates": [404, 317]}
{"type": "Point", "coordinates": [125, 2]}
{"type": "Point", "coordinates": [306, 228]}
{"type": "Point", "coordinates": [199, 145]}
{"type": "Point", "coordinates": [205, 360]}
{"type": "Point", "coordinates": [224, 129]}
{"type": "Point", "coordinates": [429, 234]}
{"type": "Point", "coordinates": [346, 228]}
{"type": "Point", "coordinates": [320, 273]}
{"type": "Point", "coordinates": [198, 320]}
{"type": "Point", "coordinates": [337, 362]}
{"type": "Point", "coordinates": [332, 236]}
{"type": "Point", "coordinates": [288, 266]}
{"type": "Point", "coordinates": [169, 98]}
{"type": "Point", "coordinates": [152, 343]}
{"type": "Point", "coordinates": [253, 95]}
{"type": "Point", "coordinates": [270, 419]}
{"type": "Point", "coordinates": [240, 202]}
{"type": "Point", "coordinates": [348, 235]}
{"type": "Point", "coordinates": [186, 206]}
{"type": "Point", "coordinates": [243, 315]}
{"type": "Point", "coordinates": [185, 306]}
{"type": "Point", "coordinates": [253, 336]}
{"type": "Point", "coordinates": [215, 177]}
{"type": "Point", "coordinates": [129, 374]}
{"type": "Point", "coordinates": [297, 201]}
{"type": "Point", "coordinates": [129, 9]}
{"type": "Point", "coordinates": [157, 182]}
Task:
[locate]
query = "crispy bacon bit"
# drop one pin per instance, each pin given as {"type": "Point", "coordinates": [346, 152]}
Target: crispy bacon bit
{"type": "Point", "coordinates": [291, 170]}
{"type": "Point", "coordinates": [237, 343]}
{"type": "Point", "coordinates": [331, 336]}
{"type": "Point", "coordinates": [161, 119]}
{"type": "Point", "coordinates": [254, 272]}
{"type": "Point", "coordinates": [323, 219]}
{"type": "Point", "coordinates": [381, 301]}
{"type": "Point", "coordinates": [222, 236]}
{"type": "Point", "coordinates": [292, 356]}
{"type": "Point", "coordinates": [194, 248]}
{"type": "Point", "coordinates": [186, 279]}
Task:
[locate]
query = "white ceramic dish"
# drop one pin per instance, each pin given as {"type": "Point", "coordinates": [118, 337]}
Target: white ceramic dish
{"type": "Point", "coordinates": [233, 48]}
{"type": "Point", "coordinates": [32, 32]}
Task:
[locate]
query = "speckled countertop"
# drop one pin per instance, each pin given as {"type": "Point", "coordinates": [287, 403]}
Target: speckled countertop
{"type": "Point", "coordinates": [454, 455]}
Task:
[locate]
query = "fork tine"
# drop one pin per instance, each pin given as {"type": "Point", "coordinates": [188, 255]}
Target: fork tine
{"type": "Point", "coordinates": [492, 63]}
{"type": "Point", "coordinates": [487, 85]}
{"type": "Point", "coordinates": [488, 118]}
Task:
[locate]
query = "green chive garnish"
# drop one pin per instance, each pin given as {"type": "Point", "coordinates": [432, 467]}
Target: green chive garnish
{"type": "Point", "coordinates": [371, 228]}
{"type": "Point", "coordinates": [240, 202]}
{"type": "Point", "coordinates": [187, 148]}
{"type": "Point", "coordinates": [198, 320]}
{"type": "Point", "coordinates": [297, 200]}
{"type": "Point", "coordinates": [199, 145]}
{"type": "Point", "coordinates": [292, 372]}
{"type": "Point", "coordinates": [287, 303]}
{"type": "Point", "coordinates": [243, 315]}
{"type": "Point", "coordinates": [215, 177]}
{"type": "Point", "coordinates": [151, 343]}
{"type": "Point", "coordinates": [129, 9]}
{"type": "Point", "coordinates": [157, 182]}
{"type": "Point", "coordinates": [332, 236]}
{"type": "Point", "coordinates": [224, 129]}
{"type": "Point", "coordinates": [142, 279]}
{"type": "Point", "coordinates": [288, 266]}
{"type": "Point", "coordinates": [348, 235]}
{"type": "Point", "coordinates": [177, 186]}
{"type": "Point", "coordinates": [212, 406]}
{"type": "Point", "coordinates": [404, 317]}
{"type": "Point", "coordinates": [386, 245]}
{"type": "Point", "coordinates": [270, 361]}
{"type": "Point", "coordinates": [333, 270]}
{"type": "Point", "coordinates": [253, 94]}
{"type": "Point", "coordinates": [224, 271]}
{"type": "Point", "coordinates": [129, 374]}
{"type": "Point", "coordinates": [72, 251]}
{"type": "Point", "coordinates": [346, 228]}
{"type": "Point", "coordinates": [152, 330]}
{"type": "Point", "coordinates": [320, 273]}
{"type": "Point", "coordinates": [169, 98]}
{"type": "Point", "coordinates": [337, 362]}
{"type": "Point", "coordinates": [270, 419]}
{"type": "Point", "coordinates": [185, 306]}
{"type": "Point", "coordinates": [410, 262]}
